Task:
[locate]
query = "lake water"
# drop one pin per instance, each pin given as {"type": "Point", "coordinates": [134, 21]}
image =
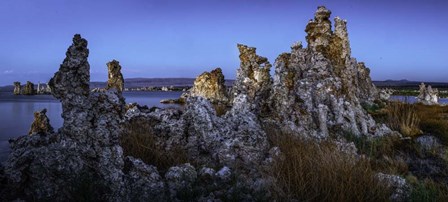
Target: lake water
{"type": "Point", "coordinates": [17, 112]}
{"type": "Point", "coordinates": [412, 99]}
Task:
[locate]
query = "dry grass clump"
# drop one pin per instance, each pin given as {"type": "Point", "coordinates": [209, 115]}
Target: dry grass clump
{"type": "Point", "coordinates": [313, 171]}
{"type": "Point", "coordinates": [403, 117]}
{"type": "Point", "coordinates": [139, 141]}
{"type": "Point", "coordinates": [434, 120]}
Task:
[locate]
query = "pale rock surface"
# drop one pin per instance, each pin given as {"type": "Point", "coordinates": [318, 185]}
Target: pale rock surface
{"type": "Point", "coordinates": [253, 78]}
{"type": "Point", "coordinates": [428, 95]}
{"type": "Point", "coordinates": [211, 85]}
{"type": "Point", "coordinates": [319, 89]}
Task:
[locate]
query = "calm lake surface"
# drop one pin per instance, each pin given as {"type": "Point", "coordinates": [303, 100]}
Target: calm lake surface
{"type": "Point", "coordinates": [412, 99]}
{"type": "Point", "coordinates": [17, 112]}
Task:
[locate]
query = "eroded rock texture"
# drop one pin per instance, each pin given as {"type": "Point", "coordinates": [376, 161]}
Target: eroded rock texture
{"type": "Point", "coordinates": [115, 78]}
{"type": "Point", "coordinates": [29, 89]}
{"type": "Point", "coordinates": [17, 88]}
{"type": "Point", "coordinates": [428, 95]}
{"type": "Point", "coordinates": [41, 123]}
{"type": "Point", "coordinates": [211, 85]}
{"type": "Point", "coordinates": [253, 78]}
{"type": "Point", "coordinates": [50, 165]}
{"type": "Point", "coordinates": [320, 88]}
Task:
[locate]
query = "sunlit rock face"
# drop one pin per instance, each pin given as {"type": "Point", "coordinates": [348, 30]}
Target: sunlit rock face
{"type": "Point", "coordinates": [29, 89]}
{"type": "Point", "coordinates": [210, 85]}
{"type": "Point", "coordinates": [320, 88]}
{"type": "Point", "coordinates": [427, 95]}
{"type": "Point", "coordinates": [41, 123]}
{"type": "Point", "coordinates": [115, 78]}
{"type": "Point", "coordinates": [253, 78]}
{"type": "Point", "coordinates": [17, 88]}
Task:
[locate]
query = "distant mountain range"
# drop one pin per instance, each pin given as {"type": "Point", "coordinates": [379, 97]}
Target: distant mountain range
{"type": "Point", "coordinates": [405, 84]}
{"type": "Point", "coordinates": [187, 82]}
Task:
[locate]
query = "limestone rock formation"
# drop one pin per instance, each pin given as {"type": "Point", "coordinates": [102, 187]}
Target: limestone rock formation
{"type": "Point", "coordinates": [41, 123]}
{"type": "Point", "coordinates": [320, 88]}
{"type": "Point", "coordinates": [210, 85]}
{"type": "Point", "coordinates": [253, 78]}
{"type": "Point", "coordinates": [384, 94]}
{"type": "Point", "coordinates": [17, 88]}
{"type": "Point", "coordinates": [428, 95]}
{"type": "Point", "coordinates": [71, 86]}
{"type": "Point", "coordinates": [115, 78]}
{"type": "Point", "coordinates": [29, 89]}
{"type": "Point", "coordinates": [85, 148]}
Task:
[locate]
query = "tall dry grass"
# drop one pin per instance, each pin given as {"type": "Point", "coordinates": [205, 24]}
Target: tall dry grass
{"type": "Point", "coordinates": [139, 140]}
{"type": "Point", "coordinates": [434, 120]}
{"type": "Point", "coordinates": [403, 117]}
{"type": "Point", "coordinates": [313, 171]}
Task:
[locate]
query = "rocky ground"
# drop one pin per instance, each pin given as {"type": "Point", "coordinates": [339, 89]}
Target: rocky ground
{"type": "Point", "coordinates": [317, 95]}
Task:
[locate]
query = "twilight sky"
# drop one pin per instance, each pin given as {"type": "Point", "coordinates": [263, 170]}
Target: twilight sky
{"type": "Point", "coordinates": [404, 39]}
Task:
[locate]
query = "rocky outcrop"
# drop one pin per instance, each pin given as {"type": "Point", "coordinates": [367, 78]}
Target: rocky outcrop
{"type": "Point", "coordinates": [85, 148]}
{"type": "Point", "coordinates": [29, 89]}
{"type": "Point", "coordinates": [428, 95]}
{"type": "Point", "coordinates": [211, 85]}
{"type": "Point", "coordinates": [115, 78]}
{"type": "Point", "coordinates": [253, 78]}
{"type": "Point", "coordinates": [319, 89]}
{"type": "Point", "coordinates": [17, 88]}
{"type": "Point", "coordinates": [41, 123]}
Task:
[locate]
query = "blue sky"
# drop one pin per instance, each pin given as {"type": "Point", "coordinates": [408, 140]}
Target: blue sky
{"type": "Point", "coordinates": [166, 38]}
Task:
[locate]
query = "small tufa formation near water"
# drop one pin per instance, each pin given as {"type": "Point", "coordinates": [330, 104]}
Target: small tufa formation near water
{"type": "Point", "coordinates": [17, 88]}
{"type": "Point", "coordinates": [428, 95]}
{"type": "Point", "coordinates": [41, 123]}
{"type": "Point", "coordinates": [115, 78]}
{"type": "Point", "coordinates": [211, 85]}
{"type": "Point", "coordinates": [85, 148]}
{"type": "Point", "coordinates": [29, 89]}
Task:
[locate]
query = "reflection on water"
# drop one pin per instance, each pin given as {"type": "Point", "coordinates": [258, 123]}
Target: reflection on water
{"type": "Point", "coordinates": [17, 112]}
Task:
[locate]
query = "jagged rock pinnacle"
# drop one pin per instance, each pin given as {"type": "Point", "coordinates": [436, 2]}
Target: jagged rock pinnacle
{"type": "Point", "coordinates": [41, 123]}
{"type": "Point", "coordinates": [115, 78]}
{"type": "Point", "coordinates": [17, 88]}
